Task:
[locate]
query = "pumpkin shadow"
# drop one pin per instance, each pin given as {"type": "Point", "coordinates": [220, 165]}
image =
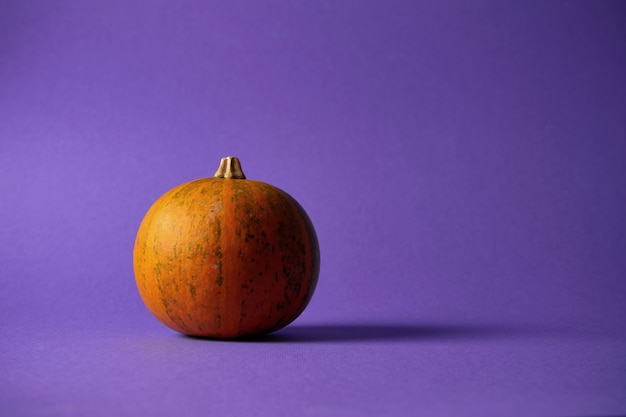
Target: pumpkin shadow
{"type": "Point", "coordinates": [363, 332]}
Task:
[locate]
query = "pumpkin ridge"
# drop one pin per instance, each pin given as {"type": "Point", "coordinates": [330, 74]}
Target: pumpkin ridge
{"type": "Point", "coordinates": [228, 308]}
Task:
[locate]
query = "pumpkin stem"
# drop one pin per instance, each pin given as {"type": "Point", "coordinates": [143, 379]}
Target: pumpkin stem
{"type": "Point", "coordinates": [230, 168]}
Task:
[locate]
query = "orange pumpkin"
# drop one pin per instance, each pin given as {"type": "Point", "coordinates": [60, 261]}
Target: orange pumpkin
{"type": "Point", "coordinates": [226, 257]}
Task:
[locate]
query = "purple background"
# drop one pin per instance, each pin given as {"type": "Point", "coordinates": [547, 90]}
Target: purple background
{"type": "Point", "coordinates": [463, 164]}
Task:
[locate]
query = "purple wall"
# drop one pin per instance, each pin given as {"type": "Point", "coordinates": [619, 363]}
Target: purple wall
{"type": "Point", "coordinates": [463, 164]}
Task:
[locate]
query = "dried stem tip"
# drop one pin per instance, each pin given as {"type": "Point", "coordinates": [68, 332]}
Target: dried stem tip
{"type": "Point", "coordinates": [230, 168]}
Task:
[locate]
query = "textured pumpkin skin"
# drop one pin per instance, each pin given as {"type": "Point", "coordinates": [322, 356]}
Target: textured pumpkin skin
{"type": "Point", "coordinates": [226, 258]}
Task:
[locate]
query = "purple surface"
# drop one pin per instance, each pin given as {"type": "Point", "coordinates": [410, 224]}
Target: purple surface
{"type": "Point", "coordinates": [463, 164]}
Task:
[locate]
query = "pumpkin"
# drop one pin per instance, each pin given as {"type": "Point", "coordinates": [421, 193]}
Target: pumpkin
{"type": "Point", "coordinates": [226, 257]}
